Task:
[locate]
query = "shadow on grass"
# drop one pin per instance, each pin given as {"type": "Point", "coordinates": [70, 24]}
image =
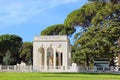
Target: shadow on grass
{"type": "Point", "coordinates": [76, 75]}
{"type": "Point", "coordinates": [57, 76]}
{"type": "Point", "coordinates": [84, 73]}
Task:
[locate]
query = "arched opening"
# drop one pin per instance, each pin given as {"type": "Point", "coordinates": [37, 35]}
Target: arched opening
{"type": "Point", "coordinates": [50, 56]}
{"type": "Point", "coordinates": [59, 59]}
{"type": "Point", "coordinates": [41, 51]}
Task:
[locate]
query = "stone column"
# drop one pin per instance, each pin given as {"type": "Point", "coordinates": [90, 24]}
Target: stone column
{"type": "Point", "coordinates": [40, 60]}
{"type": "Point", "coordinates": [54, 60]}
{"type": "Point", "coordinates": [45, 59]}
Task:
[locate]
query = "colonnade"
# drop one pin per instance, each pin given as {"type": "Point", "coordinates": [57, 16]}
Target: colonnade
{"type": "Point", "coordinates": [50, 57]}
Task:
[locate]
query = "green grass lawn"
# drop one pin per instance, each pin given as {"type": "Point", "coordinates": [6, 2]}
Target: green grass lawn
{"type": "Point", "coordinates": [57, 76]}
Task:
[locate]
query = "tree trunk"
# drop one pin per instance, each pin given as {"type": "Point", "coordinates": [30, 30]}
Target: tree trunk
{"type": "Point", "coordinates": [87, 61]}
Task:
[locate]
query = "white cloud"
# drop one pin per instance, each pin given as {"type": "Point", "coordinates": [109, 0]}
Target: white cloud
{"type": "Point", "coordinates": [19, 11]}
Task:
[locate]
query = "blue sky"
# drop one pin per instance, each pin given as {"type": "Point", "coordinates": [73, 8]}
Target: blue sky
{"type": "Point", "coordinates": [26, 18]}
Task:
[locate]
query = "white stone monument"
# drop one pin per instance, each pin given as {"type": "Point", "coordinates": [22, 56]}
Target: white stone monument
{"type": "Point", "coordinates": [51, 52]}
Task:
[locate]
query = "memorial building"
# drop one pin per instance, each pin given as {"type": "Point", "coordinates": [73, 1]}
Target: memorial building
{"type": "Point", "coordinates": [51, 53]}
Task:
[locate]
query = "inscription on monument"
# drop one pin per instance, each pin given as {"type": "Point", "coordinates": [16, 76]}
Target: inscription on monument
{"type": "Point", "coordinates": [49, 37]}
{"type": "Point", "coordinates": [44, 38]}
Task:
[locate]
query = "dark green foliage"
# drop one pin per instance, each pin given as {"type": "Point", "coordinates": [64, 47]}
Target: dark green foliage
{"type": "Point", "coordinates": [11, 43]}
{"type": "Point", "coordinates": [101, 34]}
{"type": "Point", "coordinates": [98, 42]}
{"type": "Point", "coordinates": [13, 50]}
{"type": "Point", "coordinates": [83, 16]}
{"type": "Point", "coordinates": [95, 13]}
{"type": "Point", "coordinates": [112, 1]}
{"type": "Point", "coordinates": [8, 59]}
{"type": "Point", "coordinates": [26, 53]}
{"type": "Point", "coordinates": [58, 29]}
